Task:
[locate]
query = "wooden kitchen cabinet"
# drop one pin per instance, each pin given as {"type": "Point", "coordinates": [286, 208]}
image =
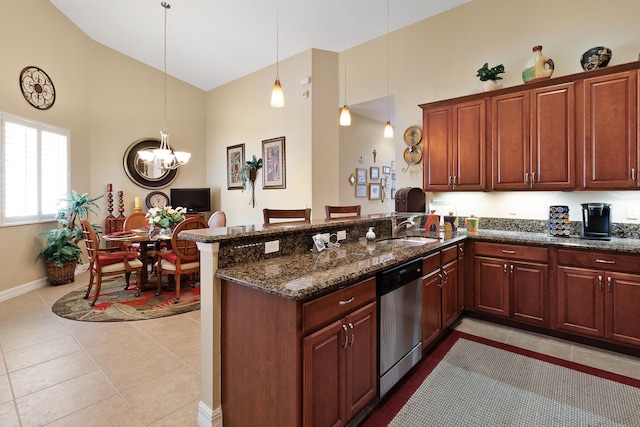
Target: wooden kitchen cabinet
{"type": "Point", "coordinates": [512, 281]}
{"type": "Point", "coordinates": [440, 293]}
{"type": "Point", "coordinates": [597, 301]}
{"type": "Point", "coordinates": [454, 146]}
{"type": "Point", "coordinates": [610, 131]}
{"type": "Point", "coordinates": [533, 139]}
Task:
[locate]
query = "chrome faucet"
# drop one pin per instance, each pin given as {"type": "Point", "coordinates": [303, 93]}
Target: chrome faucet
{"type": "Point", "coordinates": [408, 223]}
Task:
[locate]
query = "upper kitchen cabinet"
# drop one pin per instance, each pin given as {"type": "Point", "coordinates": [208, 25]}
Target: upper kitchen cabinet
{"type": "Point", "coordinates": [533, 139]}
{"type": "Point", "coordinates": [610, 131]}
{"type": "Point", "coordinates": [454, 146]}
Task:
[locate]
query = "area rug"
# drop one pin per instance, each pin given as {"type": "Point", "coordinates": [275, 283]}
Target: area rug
{"type": "Point", "coordinates": [471, 381]}
{"type": "Point", "coordinates": [115, 304]}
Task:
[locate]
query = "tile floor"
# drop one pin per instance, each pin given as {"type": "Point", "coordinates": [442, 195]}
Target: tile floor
{"type": "Point", "coordinates": [59, 372]}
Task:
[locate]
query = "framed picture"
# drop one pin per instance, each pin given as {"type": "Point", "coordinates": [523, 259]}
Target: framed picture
{"type": "Point", "coordinates": [352, 179]}
{"type": "Point", "coordinates": [361, 176]}
{"type": "Point", "coordinates": [273, 163]}
{"type": "Point", "coordinates": [361, 190]}
{"type": "Point", "coordinates": [393, 165]}
{"type": "Point", "coordinates": [386, 170]}
{"type": "Point", "coordinates": [393, 193]}
{"type": "Point", "coordinates": [374, 172]}
{"type": "Point", "coordinates": [374, 191]}
{"type": "Point", "coordinates": [393, 176]}
{"type": "Point", "coordinates": [235, 160]}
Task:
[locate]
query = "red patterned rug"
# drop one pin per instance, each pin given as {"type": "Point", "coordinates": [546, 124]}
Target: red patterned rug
{"type": "Point", "coordinates": [115, 304]}
{"type": "Point", "coordinates": [468, 380]}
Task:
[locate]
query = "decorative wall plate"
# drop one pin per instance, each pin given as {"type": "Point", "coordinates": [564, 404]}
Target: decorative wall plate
{"type": "Point", "coordinates": [413, 155]}
{"type": "Point", "coordinates": [37, 88]}
{"type": "Point", "coordinates": [413, 135]}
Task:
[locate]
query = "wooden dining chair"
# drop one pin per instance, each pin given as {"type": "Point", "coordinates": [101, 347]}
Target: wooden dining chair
{"type": "Point", "coordinates": [182, 258]}
{"type": "Point", "coordinates": [337, 212]}
{"type": "Point", "coordinates": [108, 262]}
{"type": "Point", "coordinates": [218, 219]}
{"type": "Point", "coordinates": [291, 215]}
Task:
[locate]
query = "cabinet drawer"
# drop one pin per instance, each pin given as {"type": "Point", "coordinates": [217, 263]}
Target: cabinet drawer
{"type": "Point", "coordinates": [502, 250]}
{"type": "Point", "coordinates": [600, 260]}
{"type": "Point", "coordinates": [431, 262]}
{"type": "Point", "coordinates": [337, 304]}
{"type": "Point", "coordinates": [449, 254]}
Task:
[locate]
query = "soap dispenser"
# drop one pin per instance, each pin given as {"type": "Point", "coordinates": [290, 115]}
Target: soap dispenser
{"type": "Point", "coordinates": [370, 234]}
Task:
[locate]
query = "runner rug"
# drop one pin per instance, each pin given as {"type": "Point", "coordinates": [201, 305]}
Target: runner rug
{"type": "Point", "coordinates": [472, 381]}
{"type": "Point", "coordinates": [115, 304]}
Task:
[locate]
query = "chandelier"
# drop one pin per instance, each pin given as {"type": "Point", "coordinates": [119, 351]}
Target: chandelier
{"type": "Point", "coordinates": [164, 157]}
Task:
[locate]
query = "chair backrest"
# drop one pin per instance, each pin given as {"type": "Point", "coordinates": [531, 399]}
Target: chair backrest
{"type": "Point", "coordinates": [91, 241]}
{"type": "Point", "coordinates": [342, 211]}
{"type": "Point", "coordinates": [297, 215]}
{"type": "Point", "coordinates": [135, 220]}
{"type": "Point", "coordinates": [187, 250]}
{"type": "Point", "coordinates": [218, 219]}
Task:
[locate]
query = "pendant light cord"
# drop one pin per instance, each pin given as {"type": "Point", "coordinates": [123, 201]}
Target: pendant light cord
{"type": "Point", "coordinates": [166, 7]}
{"type": "Point", "coordinates": [277, 40]}
{"type": "Point", "coordinates": [388, 110]}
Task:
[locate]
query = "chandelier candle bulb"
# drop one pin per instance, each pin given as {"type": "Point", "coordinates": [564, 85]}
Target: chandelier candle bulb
{"type": "Point", "coordinates": [137, 202]}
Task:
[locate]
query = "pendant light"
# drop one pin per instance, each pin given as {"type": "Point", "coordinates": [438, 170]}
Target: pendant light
{"type": "Point", "coordinates": [164, 158]}
{"type": "Point", "coordinates": [277, 96]}
{"type": "Point", "coordinates": [388, 129]}
{"type": "Point", "coordinates": [345, 115]}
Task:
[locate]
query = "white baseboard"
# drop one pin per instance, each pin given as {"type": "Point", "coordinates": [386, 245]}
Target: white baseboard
{"type": "Point", "coordinates": [208, 417]}
{"type": "Point", "coordinates": [32, 286]}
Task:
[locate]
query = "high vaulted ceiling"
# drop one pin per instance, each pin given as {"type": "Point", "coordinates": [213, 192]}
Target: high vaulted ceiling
{"type": "Point", "coordinates": [212, 42]}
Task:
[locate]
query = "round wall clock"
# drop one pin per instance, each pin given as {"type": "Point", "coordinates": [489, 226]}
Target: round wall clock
{"type": "Point", "coordinates": [157, 199]}
{"type": "Point", "coordinates": [37, 88]}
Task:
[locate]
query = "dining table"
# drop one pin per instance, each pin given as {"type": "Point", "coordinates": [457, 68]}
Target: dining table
{"type": "Point", "coordinates": [147, 242]}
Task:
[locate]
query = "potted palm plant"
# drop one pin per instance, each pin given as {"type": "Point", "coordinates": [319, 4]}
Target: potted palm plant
{"type": "Point", "coordinates": [249, 172]}
{"type": "Point", "coordinates": [62, 252]}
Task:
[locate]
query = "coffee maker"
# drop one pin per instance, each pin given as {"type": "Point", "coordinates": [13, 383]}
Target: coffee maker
{"type": "Point", "coordinates": [596, 221]}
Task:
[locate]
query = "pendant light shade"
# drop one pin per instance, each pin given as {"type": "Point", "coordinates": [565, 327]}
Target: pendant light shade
{"type": "Point", "coordinates": [388, 130]}
{"type": "Point", "coordinates": [277, 96]}
{"type": "Point", "coordinates": [345, 116]}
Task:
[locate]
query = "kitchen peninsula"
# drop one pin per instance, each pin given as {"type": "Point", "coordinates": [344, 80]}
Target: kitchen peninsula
{"type": "Point", "coordinates": [260, 303]}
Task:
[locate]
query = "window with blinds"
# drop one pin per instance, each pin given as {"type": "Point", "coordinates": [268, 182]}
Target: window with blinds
{"type": "Point", "coordinates": [35, 170]}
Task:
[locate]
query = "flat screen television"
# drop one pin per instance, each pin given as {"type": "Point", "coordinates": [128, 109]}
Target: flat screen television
{"type": "Point", "coordinates": [193, 199]}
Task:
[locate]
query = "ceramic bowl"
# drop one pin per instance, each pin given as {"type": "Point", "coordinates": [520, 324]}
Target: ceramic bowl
{"type": "Point", "coordinates": [596, 57]}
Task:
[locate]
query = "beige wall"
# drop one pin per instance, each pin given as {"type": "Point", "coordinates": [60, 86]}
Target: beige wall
{"type": "Point", "coordinates": [105, 99]}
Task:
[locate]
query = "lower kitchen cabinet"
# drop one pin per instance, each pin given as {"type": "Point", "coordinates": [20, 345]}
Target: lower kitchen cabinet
{"type": "Point", "coordinates": [440, 293]}
{"type": "Point", "coordinates": [601, 303]}
{"type": "Point", "coordinates": [512, 281]}
{"type": "Point", "coordinates": [339, 369]}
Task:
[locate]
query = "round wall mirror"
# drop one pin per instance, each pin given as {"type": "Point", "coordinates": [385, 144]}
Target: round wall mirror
{"type": "Point", "coordinates": [147, 176]}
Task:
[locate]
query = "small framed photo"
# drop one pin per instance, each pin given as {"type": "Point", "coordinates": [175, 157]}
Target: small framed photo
{"type": "Point", "coordinates": [361, 176]}
{"type": "Point", "coordinates": [393, 165]}
{"type": "Point", "coordinates": [352, 179]}
{"type": "Point", "coordinates": [374, 191]}
{"type": "Point", "coordinates": [386, 170]}
{"type": "Point", "coordinates": [361, 190]}
{"type": "Point", "coordinates": [235, 161]}
{"type": "Point", "coordinates": [393, 176]}
{"type": "Point", "coordinates": [393, 193]}
{"type": "Point", "coordinates": [374, 173]}
{"type": "Point", "coordinates": [273, 158]}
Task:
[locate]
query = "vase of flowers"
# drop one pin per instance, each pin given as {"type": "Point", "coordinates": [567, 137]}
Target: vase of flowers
{"type": "Point", "coordinates": [163, 220]}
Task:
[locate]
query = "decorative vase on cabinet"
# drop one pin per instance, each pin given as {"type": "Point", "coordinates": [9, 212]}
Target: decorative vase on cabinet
{"type": "Point", "coordinates": [539, 67]}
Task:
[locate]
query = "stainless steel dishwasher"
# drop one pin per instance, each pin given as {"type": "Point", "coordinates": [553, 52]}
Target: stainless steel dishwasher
{"type": "Point", "coordinates": [400, 322]}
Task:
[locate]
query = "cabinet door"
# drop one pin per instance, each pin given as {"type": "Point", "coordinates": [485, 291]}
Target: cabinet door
{"type": "Point", "coordinates": [623, 308]}
{"type": "Point", "coordinates": [491, 286]}
{"type": "Point", "coordinates": [449, 294]}
{"type": "Point", "coordinates": [510, 141]}
{"type": "Point", "coordinates": [436, 149]}
{"type": "Point", "coordinates": [553, 137]}
{"type": "Point", "coordinates": [431, 307]}
{"type": "Point", "coordinates": [611, 119]}
{"type": "Point", "coordinates": [529, 283]}
{"type": "Point", "coordinates": [469, 145]}
{"type": "Point", "coordinates": [581, 301]}
{"type": "Point", "coordinates": [324, 376]}
{"type": "Point", "coordinates": [361, 380]}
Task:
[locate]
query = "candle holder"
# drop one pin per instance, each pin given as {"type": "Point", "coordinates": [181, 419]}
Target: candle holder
{"type": "Point", "coordinates": [110, 201]}
{"type": "Point", "coordinates": [120, 204]}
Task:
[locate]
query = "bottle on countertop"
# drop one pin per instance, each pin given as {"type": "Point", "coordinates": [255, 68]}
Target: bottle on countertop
{"type": "Point", "coordinates": [370, 234]}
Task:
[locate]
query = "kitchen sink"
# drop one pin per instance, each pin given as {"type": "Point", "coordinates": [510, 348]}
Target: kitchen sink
{"type": "Point", "coordinates": [408, 241]}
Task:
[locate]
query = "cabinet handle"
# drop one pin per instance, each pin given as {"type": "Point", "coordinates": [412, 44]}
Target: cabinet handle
{"type": "Point", "coordinates": [505, 251]}
{"type": "Point", "coordinates": [511, 269]}
{"type": "Point", "coordinates": [600, 283]}
{"type": "Point", "coordinates": [440, 281]}
{"type": "Point", "coordinates": [353, 334]}
{"type": "Point", "coordinates": [456, 180]}
{"type": "Point", "coordinates": [449, 182]}
{"type": "Point", "coordinates": [533, 177]}
{"type": "Point", "coordinates": [461, 249]}
{"type": "Point", "coordinates": [349, 301]}
{"type": "Point", "coordinates": [446, 278]}
{"type": "Point", "coordinates": [346, 338]}
{"type": "Point", "coordinates": [526, 177]}
{"type": "Point", "coordinates": [609, 284]}
{"type": "Point", "coordinates": [504, 268]}
{"type": "Point", "coordinates": [605, 261]}
{"type": "Point", "coordinates": [633, 174]}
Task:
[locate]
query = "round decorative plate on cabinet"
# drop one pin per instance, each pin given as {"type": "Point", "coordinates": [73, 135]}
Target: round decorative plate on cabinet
{"type": "Point", "coordinates": [37, 88]}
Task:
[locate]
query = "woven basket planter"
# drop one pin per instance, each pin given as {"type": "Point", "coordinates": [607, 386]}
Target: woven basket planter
{"type": "Point", "coordinates": [61, 275]}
